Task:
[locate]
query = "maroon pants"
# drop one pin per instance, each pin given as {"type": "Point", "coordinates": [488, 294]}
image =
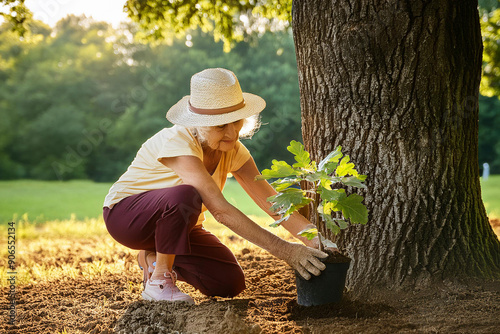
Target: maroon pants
{"type": "Point", "coordinates": [164, 220]}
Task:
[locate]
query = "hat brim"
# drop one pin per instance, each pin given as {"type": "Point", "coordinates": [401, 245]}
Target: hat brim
{"type": "Point", "coordinates": [180, 113]}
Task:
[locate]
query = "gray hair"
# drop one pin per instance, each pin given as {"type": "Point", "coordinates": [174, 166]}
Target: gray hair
{"type": "Point", "coordinates": [250, 126]}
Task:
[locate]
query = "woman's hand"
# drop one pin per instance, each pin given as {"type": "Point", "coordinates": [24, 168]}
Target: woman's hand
{"type": "Point", "coordinates": [304, 259]}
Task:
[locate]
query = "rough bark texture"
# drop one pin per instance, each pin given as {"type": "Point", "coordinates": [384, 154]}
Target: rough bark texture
{"type": "Point", "coordinates": [396, 84]}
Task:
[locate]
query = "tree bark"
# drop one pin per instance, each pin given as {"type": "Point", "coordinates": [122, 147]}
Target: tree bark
{"type": "Point", "coordinates": [395, 83]}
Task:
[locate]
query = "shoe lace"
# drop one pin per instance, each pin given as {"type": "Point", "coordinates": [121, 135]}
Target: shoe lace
{"type": "Point", "coordinates": [169, 275]}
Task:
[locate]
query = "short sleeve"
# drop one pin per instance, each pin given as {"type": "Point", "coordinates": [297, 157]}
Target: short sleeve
{"type": "Point", "coordinates": [179, 142]}
{"type": "Point", "coordinates": [241, 156]}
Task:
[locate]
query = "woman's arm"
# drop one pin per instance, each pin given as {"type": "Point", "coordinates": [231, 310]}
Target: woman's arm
{"type": "Point", "coordinates": [260, 190]}
{"type": "Point", "coordinates": [192, 171]}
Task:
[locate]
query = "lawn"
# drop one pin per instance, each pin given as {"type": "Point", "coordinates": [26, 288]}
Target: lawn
{"type": "Point", "coordinates": [79, 199]}
{"type": "Point", "coordinates": [50, 200]}
{"type": "Point", "coordinates": [43, 200]}
{"type": "Point", "coordinates": [490, 190]}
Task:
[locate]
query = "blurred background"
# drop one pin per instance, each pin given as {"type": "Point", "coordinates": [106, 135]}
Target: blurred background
{"type": "Point", "coordinates": [80, 92]}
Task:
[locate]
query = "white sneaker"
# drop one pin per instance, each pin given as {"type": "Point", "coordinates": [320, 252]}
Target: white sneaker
{"type": "Point", "coordinates": [165, 290]}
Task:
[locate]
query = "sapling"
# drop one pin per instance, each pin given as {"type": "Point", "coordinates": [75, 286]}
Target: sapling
{"type": "Point", "coordinates": [333, 207]}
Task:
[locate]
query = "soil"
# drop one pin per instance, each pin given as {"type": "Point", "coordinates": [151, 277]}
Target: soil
{"type": "Point", "coordinates": [335, 257]}
{"type": "Point", "coordinates": [111, 303]}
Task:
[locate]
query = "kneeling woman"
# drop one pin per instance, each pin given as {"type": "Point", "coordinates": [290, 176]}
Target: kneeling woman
{"type": "Point", "coordinates": [156, 206]}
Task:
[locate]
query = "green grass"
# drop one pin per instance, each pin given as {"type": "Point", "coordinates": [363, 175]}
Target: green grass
{"type": "Point", "coordinates": [52, 200]}
{"type": "Point", "coordinates": [490, 190]}
{"type": "Point", "coordinates": [49, 200]}
{"type": "Point", "coordinates": [80, 199]}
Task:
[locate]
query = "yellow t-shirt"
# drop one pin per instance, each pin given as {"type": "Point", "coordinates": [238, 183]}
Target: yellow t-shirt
{"type": "Point", "coordinates": [147, 172]}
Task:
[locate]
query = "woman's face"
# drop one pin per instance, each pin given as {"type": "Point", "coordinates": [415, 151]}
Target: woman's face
{"type": "Point", "coordinates": [222, 137]}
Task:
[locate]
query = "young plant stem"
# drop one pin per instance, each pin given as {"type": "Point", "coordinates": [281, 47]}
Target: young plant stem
{"type": "Point", "coordinates": [321, 247]}
{"type": "Point", "coordinates": [318, 217]}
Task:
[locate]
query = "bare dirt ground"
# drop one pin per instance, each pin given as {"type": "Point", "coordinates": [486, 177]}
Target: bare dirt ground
{"type": "Point", "coordinates": [110, 303]}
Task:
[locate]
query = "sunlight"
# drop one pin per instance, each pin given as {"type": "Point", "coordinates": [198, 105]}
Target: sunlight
{"type": "Point", "coordinates": [51, 11]}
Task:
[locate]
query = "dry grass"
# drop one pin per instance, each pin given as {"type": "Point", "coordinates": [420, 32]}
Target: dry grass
{"type": "Point", "coordinates": [74, 278]}
{"type": "Point", "coordinates": [84, 249]}
{"type": "Point", "coordinates": [72, 249]}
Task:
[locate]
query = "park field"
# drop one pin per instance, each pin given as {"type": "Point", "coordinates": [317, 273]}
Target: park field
{"type": "Point", "coordinates": [490, 190]}
{"type": "Point", "coordinates": [40, 201]}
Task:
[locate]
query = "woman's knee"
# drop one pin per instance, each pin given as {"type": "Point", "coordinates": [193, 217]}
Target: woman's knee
{"type": "Point", "coordinates": [231, 285]}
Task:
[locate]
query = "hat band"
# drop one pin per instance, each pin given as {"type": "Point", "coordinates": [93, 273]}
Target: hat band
{"type": "Point", "coordinates": [216, 111]}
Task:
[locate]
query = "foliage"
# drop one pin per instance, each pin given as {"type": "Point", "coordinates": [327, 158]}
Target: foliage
{"type": "Point", "coordinates": [17, 15]}
{"type": "Point", "coordinates": [234, 20]}
{"type": "Point", "coordinates": [328, 198]}
{"type": "Point", "coordinates": [230, 21]}
{"type": "Point", "coordinates": [77, 101]}
{"type": "Point", "coordinates": [489, 134]}
{"type": "Point", "coordinates": [490, 30]}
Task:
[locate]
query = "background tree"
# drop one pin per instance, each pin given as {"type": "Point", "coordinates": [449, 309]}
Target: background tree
{"type": "Point", "coordinates": [489, 108]}
{"type": "Point", "coordinates": [490, 28]}
{"type": "Point", "coordinates": [51, 98]}
{"type": "Point", "coordinates": [489, 134]}
{"type": "Point", "coordinates": [79, 99]}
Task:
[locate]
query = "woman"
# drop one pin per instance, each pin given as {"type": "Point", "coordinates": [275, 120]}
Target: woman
{"type": "Point", "coordinates": [156, 205]}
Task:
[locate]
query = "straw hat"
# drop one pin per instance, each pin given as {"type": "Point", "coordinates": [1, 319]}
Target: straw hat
{"type": "Point", "coordinates": [216, 99]}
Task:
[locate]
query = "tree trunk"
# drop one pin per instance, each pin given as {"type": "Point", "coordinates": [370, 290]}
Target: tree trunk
{"type": "Point", "coordinates": [396, 84]}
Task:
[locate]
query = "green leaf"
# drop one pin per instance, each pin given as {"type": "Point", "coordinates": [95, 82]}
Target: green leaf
{"type": "Point", "coordinates": [278, 209]}
{"type": "Point", "coordinates": [316, 176]}
{"type": "Point", "coordinates": [342, 223]}
{"type": "Point", "coordinates": [326, 207]}
{"type": "Point", "coordinates": [300, 154]}
{"type": "Point", "coordinates": [288, 196]}
{"type": "Point", "coordinates": [282, 184]}
{"type": "Point", "coordinates": [296, 207]}
{"type": "Point", "coordinates": [278, 169]}
{"type": "Point", "coordinates": [353, 209]}
{"type": "Point", "coordinates": [345, 167]}
{"type": "Point", "coordinates": [330, 167]}
{"type": "Point", "coordinates": [332, 158]}
{"type": "Point", "coordinates": [326, 183]}
{"type": "Point", "coordinates": [331, 195]}
{"type": "Point", "coordinates": [330, 224]}
{"type": "Point", "coordinates": [288, 201]}
{"type": "Point", "coordinates": [309, 233]}
{"type": "Point", "coordinates": [353, 181]}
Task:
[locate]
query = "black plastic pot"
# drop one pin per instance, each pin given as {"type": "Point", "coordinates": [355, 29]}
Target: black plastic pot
{"type": "Point", "coordinates": [323, 289]}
